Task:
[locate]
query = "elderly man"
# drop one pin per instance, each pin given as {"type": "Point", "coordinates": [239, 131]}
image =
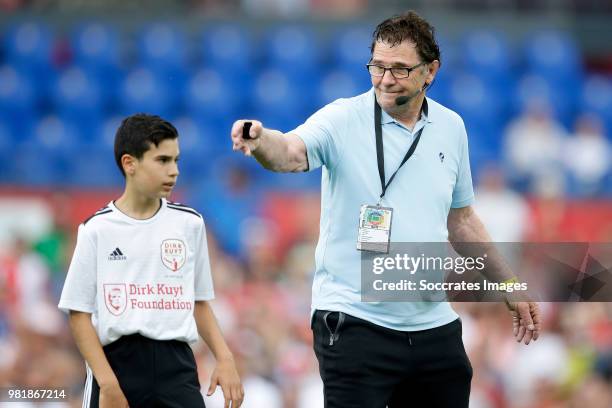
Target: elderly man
{"type": "Point", "coordinates": [389, 154]}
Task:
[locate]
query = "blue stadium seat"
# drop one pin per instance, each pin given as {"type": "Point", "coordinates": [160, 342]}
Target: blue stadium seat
{"type": "Point", "coordinates": [596, 97]}
{"type": "Point", "coordinates": [536, 88]}
{"type": "Point", "coordinates": [28, 45]}
{"type": "Point", "coordinates": [478, 104]}
{"type": "Point", "coordinates": [294, 50]}
{"type": "Point", "coordinates": [97, 51]}
{"type": "Point", "coordinates": [6, 135]}
{"type": "Point", "coordinates": [143, 91]}
{"type": "Point", "coordinates": [40, 166]}
{"type": "Point", "coordinates": [449, 53]}
{"type": "Point", "coordinates": [96, 44]}
{"type": "Point", "coordinates": [18, 99]}
{"type": "Point", "coordinates": [201, 142]}
{"type": "Point", "coordinates": [94, 166]}
{"type": "Point", "coordinates": [277, 101]}
{"type": "Point", "coordinates": [77, 98]}
{"type": "Point", "coordinates": [439, 89]}
{"type": "Point", "coordinates": [107, 131]}
{"type": "Point", "coordinates": [486, 53]}
{"type": "Point", "coordinates": [162, 48]}
{"type": "Point", "coordinates": [227, 48]}
{"type": "Point", "coordinates": [54, 134]}
{"type": "Point", "coordinates": [350, 48]}
{"type": "Point", "coordinates": [7, 145]}
{"type": "Point", "coordinates": [211, 95]}
{"type": "Point", "coordinates": [337, 83]}
{"type": "Point", "coordinates": [553, 55]}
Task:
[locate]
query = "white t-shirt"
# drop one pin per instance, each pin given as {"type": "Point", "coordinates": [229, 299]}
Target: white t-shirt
{"type": "Point", "coordinates": [140, 276]}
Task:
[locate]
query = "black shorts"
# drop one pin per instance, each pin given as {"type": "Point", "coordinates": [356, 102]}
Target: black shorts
{"type": "Point", "coordinates": [151, 373]}
{"type": "Point", "coordinates": [364, 365]}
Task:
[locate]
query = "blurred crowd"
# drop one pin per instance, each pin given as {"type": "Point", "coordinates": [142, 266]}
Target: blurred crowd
{"type": "Point", "coordinates": [262, 252]}
{"type": "Point", "coordinates": [542, 171]}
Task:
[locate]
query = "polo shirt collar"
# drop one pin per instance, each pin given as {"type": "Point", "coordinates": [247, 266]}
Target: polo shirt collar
{"type": "Point", "coordinates": [425, 115]}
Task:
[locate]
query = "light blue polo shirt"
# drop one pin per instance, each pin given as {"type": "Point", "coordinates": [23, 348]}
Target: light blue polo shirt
{"type": "Point", "coordinates": [341, 138]}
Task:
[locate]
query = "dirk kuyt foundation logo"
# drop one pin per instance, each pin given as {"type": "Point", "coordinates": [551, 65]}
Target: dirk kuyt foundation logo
{"type": "Point", "coordinates": [173, 254]}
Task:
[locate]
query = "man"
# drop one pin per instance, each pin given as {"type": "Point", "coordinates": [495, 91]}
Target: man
{"type": "Point", "coordinates": [377, 354]}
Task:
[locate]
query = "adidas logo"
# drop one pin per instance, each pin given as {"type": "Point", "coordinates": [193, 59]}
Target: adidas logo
{"type": "Point", "coordinates": [117, 255]}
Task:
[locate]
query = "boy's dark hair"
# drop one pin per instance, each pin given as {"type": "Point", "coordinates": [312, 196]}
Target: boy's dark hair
{"type": "Point", "coordinates": [408, 26]}
{"type": "Point", "coordinates": [136, 134]}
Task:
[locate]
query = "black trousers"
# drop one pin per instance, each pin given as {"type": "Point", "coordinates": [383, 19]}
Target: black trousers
{"type": "Point", "coordinates": [151, 373]}
{"type": "Point", "coordinates": [364, 365]}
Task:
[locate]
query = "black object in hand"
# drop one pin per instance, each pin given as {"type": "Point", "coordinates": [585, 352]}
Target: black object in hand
{"type": "Point", "coordinates": [246, 128]}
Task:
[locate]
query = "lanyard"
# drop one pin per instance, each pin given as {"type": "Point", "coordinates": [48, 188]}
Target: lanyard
{"type": "Point", "coordinates": [380, 152]}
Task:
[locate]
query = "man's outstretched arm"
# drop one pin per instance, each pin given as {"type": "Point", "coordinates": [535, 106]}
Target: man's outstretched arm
{"type": "Point", "coordinates": [271, 148]}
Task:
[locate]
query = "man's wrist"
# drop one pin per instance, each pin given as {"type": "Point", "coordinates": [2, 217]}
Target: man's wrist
{"type": "Point", "coordinates": [511, 281]}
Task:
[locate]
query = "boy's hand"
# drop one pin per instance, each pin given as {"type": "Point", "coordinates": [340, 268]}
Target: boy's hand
{"type": "Point", "coordinates": [111, 396]}
{"type": "Point", "coordinates": [226, 375]}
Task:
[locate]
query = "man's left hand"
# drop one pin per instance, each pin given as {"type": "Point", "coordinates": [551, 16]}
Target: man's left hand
{"type": "Point", "coordinates": [526, 320]}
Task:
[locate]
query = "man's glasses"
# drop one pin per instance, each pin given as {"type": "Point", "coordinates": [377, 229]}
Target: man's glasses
{"type": "Point", "coordinates": [397, 72]}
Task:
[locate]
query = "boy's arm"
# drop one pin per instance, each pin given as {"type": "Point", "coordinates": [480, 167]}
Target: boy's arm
{"type": "Point", "coordinates": [90, 347]}
{"type": "Point", "coordinates": [225, 373]}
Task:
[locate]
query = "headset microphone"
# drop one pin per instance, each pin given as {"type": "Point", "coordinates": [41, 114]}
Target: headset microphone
{"type": "Point", "coordinates": [401, 100]}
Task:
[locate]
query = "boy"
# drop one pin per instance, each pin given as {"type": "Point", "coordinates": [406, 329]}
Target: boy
{"type": "Point", "coordinates": [139, 283]}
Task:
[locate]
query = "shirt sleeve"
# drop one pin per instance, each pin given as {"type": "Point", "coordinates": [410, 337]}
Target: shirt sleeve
{"type": "Point", "coordinates": [463, 193]}
{"type": "Point", "coordinates": [79, 292]}
{"type": "Point", "coordinates": [321, 134]}
{"type": "Point", "coordinates": [203, 279]}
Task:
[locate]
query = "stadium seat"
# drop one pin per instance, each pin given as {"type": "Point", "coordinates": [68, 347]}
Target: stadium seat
{"type": "Point", "coordinates": [7, 145]}
{"type": "Point", "coordinates": [449, 53]}
{"type": "Point", "coordinates": [18, 99]}
{"type": "Point", "coordinates": [349, 48]}
{"type": "Point", "coordinates": [107, 130]}
{"type": "Point", "coordinates": [536, 88]}
{"type": "Point", "coordinates": [470, 96]}
{"type": "Point", "coordinates": [439, 89]}
{"type": "Point", "coordinates": [6, 135]}
{"type": "Point", "coordinates": [336, 84]}
{"type": "Point", "coordinates": [96, 44]}
{"type": "Point", "coordinates": [294, 50]}
{"type": "Point", "coordinates": [143, 91]}
{"type": "Point", "coordinates": [486, 53]}
{"type": "Point", "coordinates": [97, 50]}
{"type": "Point", "coordinates": [76, 97]}
{"type": "Point", "coordinates": [277, 100]}
{"type": "Point", "coordinates": [28, 45]}
{"type": "Point", "coordinates": [94, 166]}
{"type": "Point", "coordinates": [200, 143]}
{"type": "Point", "coordinates": [596, 97]}
{"type": "Point", "coordinates": [162, 49]}
{"type": "Point", "coordinates": [553, 55]}
{"type": "Point", "coordinates": [211, 95]}
{"type": "Point", "coordinates": [54, 134]}
{"type": "Point", "coordinates": [227, 48]}
{"type": "Point", "coordinates": [40, 166]}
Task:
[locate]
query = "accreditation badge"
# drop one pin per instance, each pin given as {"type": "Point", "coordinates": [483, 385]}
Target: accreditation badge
{"type": "Point", "coordinates": [374, 228]}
